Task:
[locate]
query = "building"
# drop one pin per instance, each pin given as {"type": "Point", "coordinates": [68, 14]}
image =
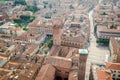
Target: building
{"type": "Point", "coordinates": [76, 31]}
{"type": "Point", "coordinates": [57, 32]}
{"type": "Point", "coordinates": [82, 62]}
{"type": "Point", "coordinates": [114, 47]}
{"type": "Point", "coordinates": [3, 18]}
{"type": "Point", "coordinates": [105, 33]}
{"type": "Point", "coordinates": [109, 71]}
{"type": "Point", "coordinates": [47, 72]}
{"type": "Point", "coordinates": [115, 70]}
{"type": "Point", "coordinates": [103, 75]}
{"type": "Point", "coordinates": [99, 72]}
{"type": "Point", "coordinates": [106, 20]}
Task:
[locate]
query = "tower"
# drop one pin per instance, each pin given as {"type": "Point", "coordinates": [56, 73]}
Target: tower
{"type": "Point", "coordinates": [57, 31]}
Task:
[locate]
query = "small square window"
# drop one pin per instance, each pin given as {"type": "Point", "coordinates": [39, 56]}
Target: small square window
{"type": "Point", "coordinates": [113, 78]}
{"type": "Point", "coordinates": [113, 74]}
{"type": "Point", "coordinates": [118, 75]}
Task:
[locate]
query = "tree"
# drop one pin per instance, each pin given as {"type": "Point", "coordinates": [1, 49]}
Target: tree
{"type": "Point", "coordinates": [22, 2]}
{"type": "Point", "coordinates": [95, 28]}
{"type": "Point", "coordinates": [17, 20]}
{"type": "Point", "coordinates": [25, 17]}
{"type": "Point", "coordinates": [50, 43]}
{"type": "Point", "coordinates": [33, 8]}
{"type": "Point", "coordinates": [71, 7]}
{"type": "Point", "coordinates": [23, 21]}
{"type": "Point", "coordinates": [104, 13]}
{"type": "Point", "coordinates": [44, 6]}
{"type": "Point", "coordinates": [103, 41]}
{"type": "Point", "coordinates": [50, 6]}
{"type": "Point", "coordinates": [54, 11]}
{"type": "Point", "coordinates": [25, 29]}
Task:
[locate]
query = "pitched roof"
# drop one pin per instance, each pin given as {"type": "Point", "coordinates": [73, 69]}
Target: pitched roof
{"type": "Point", "coordinates": [47, 72]}
{"type": "Point", "coordinates": [115, 66]}
{"type": "Point", "coordinates": [60, 62]}
{"type": "Point", "coordinates": [103, 75]}
{"type": "Point", "coordinates": [104, 29]}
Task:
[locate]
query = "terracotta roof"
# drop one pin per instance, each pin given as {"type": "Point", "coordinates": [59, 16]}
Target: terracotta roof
{"type": "Point", "coordinates": [54, 51]}
{"type": "Point", "coordinates": [47, 72]}
{"type": "Point", "coordinates": [60, 62]}
{"type": "Point", "coordinates": [103, 75]}
{"type": "Point", "coordinates": [115, 66]}
{"type": "Point", "coordinates": [3, 16]}
{"type": "Point", "coordinates": [104, 29]}
{"type": "Point", "coordinates": [11, 28]}
{"type": "Point", "coordinates": [14, 29]}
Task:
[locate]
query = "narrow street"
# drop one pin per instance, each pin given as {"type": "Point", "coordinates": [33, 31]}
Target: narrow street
{"type": "Point", "coordinates": [97, 53]}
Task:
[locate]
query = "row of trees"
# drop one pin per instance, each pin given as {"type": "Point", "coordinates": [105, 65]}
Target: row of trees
{"type": "Point", "coordinates": [19, 2]}
{"type": "Point", "coordinates": [103, 41]}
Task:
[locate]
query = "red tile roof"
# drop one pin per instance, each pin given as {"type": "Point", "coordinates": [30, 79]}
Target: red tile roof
{"type": "Point", "coordinates": [103, 75]}
{"type": "Point", "coordinates": [104, 29]}
{"type": "Point", "coordinates": [60, 62]}
{"type": "Point", "coordinates": [114, 66]}
{"type": "Point", "coordinates": [47, 72]}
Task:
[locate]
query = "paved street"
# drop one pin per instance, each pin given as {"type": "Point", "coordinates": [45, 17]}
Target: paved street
{"type": "Point", "coordinates": [97, 54]}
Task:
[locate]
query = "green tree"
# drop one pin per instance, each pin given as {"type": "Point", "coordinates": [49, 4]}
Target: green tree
{"type": "Point", "coordinates": [104, 13]}
{"type": "Point", "coordinates": [95, 28]}
{"type": "Point", "coordinates": [17, 20]}
{"type": "Point", "coordinates": [25, 17]}
{"type": "Point", "coordinates": [71, 7]}
{"type": "Point", "coordinates": [22, 2]}
{"type": "Point", "coordinates": [50, 43]}
{"type": "Point", "coordinates": [33, 8]}
{"type": "Point", "coordinates": [103, 41]}
{"type": "Point", "coordinates": [25, 29]}
{"type": "Point", "coordinates": [50, 6]}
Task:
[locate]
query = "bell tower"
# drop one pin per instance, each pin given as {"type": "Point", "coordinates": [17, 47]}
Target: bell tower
{"type": "Point", "coordinates": [57, 32]}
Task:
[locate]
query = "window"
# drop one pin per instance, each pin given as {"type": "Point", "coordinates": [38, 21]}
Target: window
{"type": "Point", "coordinates": [111, 71]}
{"type": "Point", "coordinates": [118, 75]}
{"type": "Point", "coordinates": [113, 74]}
{"type": "Point", "coordinates": [75, 64]}
{"type": "Point", "coordinates": [117, 79]}
{"type": "Point", "coordinates": [113, 78]}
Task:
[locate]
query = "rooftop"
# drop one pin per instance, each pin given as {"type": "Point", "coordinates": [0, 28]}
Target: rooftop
{"type": "Point", "coordinates": [58, 62]}
{"type": "Point", "coordinates": [47, 72]}
{"type": "Point", "coordinates": [104, 75]}
{"type": "Point", "coordinates": [113, 66]}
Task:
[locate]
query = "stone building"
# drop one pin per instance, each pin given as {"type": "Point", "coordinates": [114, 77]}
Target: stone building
{"type": "Point", "coordinates": [114, 47]}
